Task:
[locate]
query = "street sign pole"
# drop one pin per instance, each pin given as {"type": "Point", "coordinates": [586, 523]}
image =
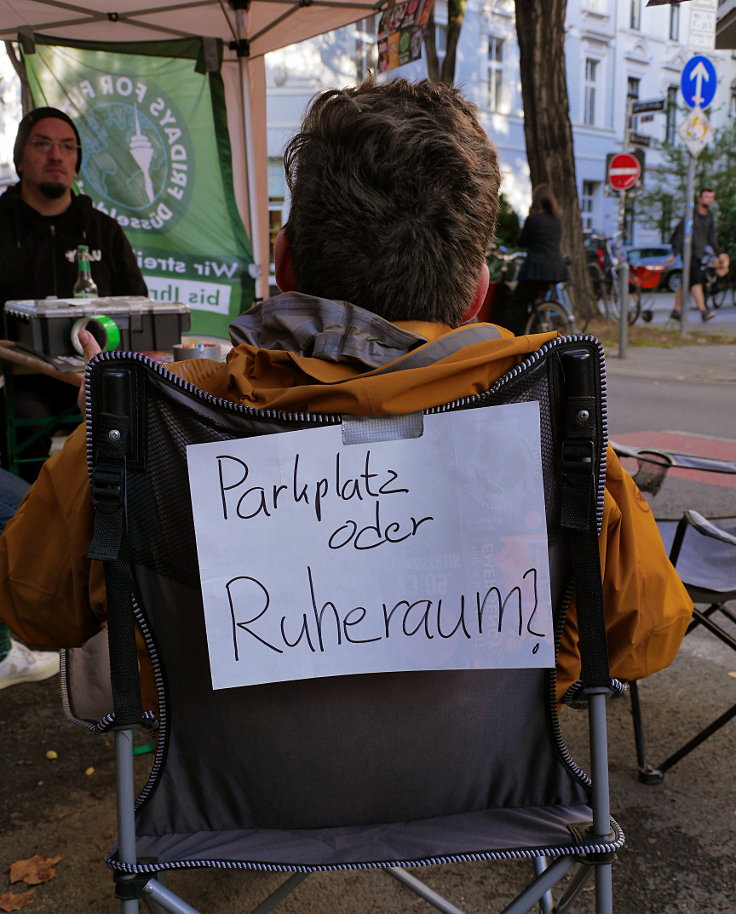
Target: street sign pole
{"type": "Point", "coordinates": [698, 83]}
{"type": "Point", "coordinates": [687, 247]}
{"type": "Point", "coordinates": [623, 265]}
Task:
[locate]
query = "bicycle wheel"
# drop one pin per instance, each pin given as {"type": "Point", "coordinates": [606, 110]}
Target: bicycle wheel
{"type": "Point", "coordinates": [635, 297]}
{"type": "Point", "coordinates": [613, 309]}
{"type": "Point", "coordinates": [608, 298]}
{"type": "Point", "coordinates": [717, 295]}
{"type": "Point", "coordinates": [590, 305]}
{"type": "Point", "coordinates": [547, 316]}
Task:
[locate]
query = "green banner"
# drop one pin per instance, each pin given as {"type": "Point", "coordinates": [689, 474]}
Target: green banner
{"type": "Point", "coordinates": [156, 157]}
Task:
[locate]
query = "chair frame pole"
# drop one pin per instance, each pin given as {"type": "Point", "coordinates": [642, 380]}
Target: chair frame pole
{"type": "Point", "coordinates": [280, 893]}
{"type": "Point", "coordinates": [541, 885]}
{"type": "Point", "coordinates": [423, 890]}
{"type": "Point", "coordinates": [126, 809]}
{"type": "Point", "coordinates": [167, 899]}
{"type": "Point", "coordinates": [600, 795]}
{"type": "Point", "coordinates": [599, 763]}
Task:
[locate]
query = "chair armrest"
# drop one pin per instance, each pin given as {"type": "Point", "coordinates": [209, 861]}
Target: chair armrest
{"type": "Point", "coordinates": [708, 528]}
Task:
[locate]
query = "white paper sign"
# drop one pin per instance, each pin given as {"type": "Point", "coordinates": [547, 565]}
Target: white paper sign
{"type": "Point", "coordinates": [320, 559]}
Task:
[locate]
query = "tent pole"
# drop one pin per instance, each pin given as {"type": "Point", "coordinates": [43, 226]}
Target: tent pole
{"type": "Point", "coordinates": [257, 270]}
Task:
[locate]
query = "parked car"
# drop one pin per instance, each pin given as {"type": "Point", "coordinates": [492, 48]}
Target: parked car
{"type": "Point", "coordinates": [655, 255]}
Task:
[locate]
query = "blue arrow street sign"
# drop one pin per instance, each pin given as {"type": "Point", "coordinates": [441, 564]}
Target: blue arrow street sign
{"type": "Point", "coordinates": [698, 82]}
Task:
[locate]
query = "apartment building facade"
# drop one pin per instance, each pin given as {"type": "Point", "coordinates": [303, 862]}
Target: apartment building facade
{"type": "Point", "coordinates": [614, 49]}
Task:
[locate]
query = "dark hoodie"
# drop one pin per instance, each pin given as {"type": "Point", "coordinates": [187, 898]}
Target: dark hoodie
{"type": "Point", "coordinates": [37, 253]}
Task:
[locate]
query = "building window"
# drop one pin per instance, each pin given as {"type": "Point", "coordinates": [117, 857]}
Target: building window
{"type": "Point", "coordinates": [591, 84]}
{"type": "Point", "coordinates": [675, 22]}
{"type": "Point", "coordinates": [670, 134]}
{"type": "Point", "coordinates": [366, 47]}
{"type": "Point", "coordinates": [495, 72]}
{"type": "Point", "coordinates": [276, 197]}
{"type": "Point", "coordinates": [732, 102]}
{"type": "Point", "coordinates": [635, 15]}
{"type": "Point", "coordinates": [587, 200]}
{"type": "Point", "coordinates": [632, 92]}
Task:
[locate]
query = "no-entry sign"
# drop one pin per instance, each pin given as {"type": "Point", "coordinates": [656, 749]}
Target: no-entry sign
{"type": "Point", "coordinates": [624, 170]}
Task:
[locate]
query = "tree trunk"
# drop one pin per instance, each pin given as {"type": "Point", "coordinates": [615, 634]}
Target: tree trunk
{"type": "Point", "coordinates": [540, 29]}
{"type": "Point", "coordinates": [455, 18]}
{"type": "Point", "coordinates": [430, 49]}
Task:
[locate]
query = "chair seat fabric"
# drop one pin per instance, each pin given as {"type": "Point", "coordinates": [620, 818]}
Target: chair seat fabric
{"type": "Point", "coordinates": [705, 565]}
{"type": "Point", "coordinates": [481, 835]}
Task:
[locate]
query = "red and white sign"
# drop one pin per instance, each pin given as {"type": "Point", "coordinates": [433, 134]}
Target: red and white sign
{"type": "Point", "coordinates": [624, 171]}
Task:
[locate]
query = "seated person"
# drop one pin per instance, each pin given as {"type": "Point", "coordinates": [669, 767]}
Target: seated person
{"type": "Point", "coordinates": [394, 190]}
{"type": "Point", "coordinates": [41, 224]}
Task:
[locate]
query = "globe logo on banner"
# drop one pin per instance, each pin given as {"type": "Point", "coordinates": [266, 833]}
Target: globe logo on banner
{"type": "Point", "coordinates": [138, 163]}
{"type": "Point", "coordinates": [624, 171]}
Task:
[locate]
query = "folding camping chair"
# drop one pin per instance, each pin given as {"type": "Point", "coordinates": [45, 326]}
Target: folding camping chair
{"type": "Point", "coordinates": [383, 770]}
{"type": "Point", "coordinates": [703, 552]}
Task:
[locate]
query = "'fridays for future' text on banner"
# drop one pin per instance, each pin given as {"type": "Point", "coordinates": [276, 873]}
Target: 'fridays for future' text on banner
{"type": "Point", "coordinates": [156, 157]}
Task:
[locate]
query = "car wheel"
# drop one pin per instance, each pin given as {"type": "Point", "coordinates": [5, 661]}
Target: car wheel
{"type": "Point", "coordinates": [673, 280]}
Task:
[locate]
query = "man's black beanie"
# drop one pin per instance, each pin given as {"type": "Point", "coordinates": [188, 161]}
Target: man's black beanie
{"type": "Point", "coordinates": [26, 125]}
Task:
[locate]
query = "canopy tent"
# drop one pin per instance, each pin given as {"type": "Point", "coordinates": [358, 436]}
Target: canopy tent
{"type": "Point", "coordinates": [248, 29]}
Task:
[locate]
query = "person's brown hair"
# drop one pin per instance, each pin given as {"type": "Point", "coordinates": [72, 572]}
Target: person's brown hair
{"type": "Point", "coordinates": [544, 201]}
{"type": "Point", "coordinates": [394, 195]}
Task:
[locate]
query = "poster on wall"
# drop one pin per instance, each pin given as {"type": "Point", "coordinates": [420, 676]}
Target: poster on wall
{"type": "Point", "coordinates": [156, 157]}
{"type": "Point", "coordinates": [401, 33]}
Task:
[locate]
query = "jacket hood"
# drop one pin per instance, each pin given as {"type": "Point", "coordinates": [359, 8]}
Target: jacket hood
{"type": "Point", "coordinates": [277, 359]}
{"type": "Point", "coordinates": [323, 329]}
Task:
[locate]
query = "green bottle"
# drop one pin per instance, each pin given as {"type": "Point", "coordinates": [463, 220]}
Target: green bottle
{"type": "Point", "coordinates": [85, 286]}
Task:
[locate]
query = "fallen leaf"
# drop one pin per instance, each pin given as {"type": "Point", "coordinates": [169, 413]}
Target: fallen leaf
{"type": "Point", "coordinates": [23, 762]}
{"type": "Point", "coordinates": [732, 674]}
{"type": "Point", "coordinates": [14, 901]}
{"type": "Point", "coordinates": [51, 754]}
{"type": "Point", "coordinates": [34, 870]}
{"type": "Point", "coordinates": [89, 771]}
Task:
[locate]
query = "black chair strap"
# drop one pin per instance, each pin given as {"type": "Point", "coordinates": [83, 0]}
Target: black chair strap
{"type": "Point", "coordinates": [109, 544]}
{"type": "Point", "coordinates": [580, 449]}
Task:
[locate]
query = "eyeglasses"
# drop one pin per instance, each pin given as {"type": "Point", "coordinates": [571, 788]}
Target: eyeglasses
{"type": "Point", "coordinates": [66, 147]}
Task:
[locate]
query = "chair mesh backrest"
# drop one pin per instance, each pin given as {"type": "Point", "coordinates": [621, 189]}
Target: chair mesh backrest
{"type": "Point", "coordinates": [341, 751]}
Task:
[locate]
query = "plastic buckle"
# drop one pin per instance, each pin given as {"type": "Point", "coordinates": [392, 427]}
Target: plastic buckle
{"type": "Point", "coordinates": [578, 461]}
{"type": "Point", "coordinates": [107, 489]}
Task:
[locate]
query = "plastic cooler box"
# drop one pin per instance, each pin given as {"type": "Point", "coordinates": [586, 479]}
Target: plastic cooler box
{"type": "Point", "coordinates": [48, 326]}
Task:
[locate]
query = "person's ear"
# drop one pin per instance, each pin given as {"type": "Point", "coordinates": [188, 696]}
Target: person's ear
{"type": "Point", "coordinates": [479, 297]}
{"type": "Point", "coordinates": [283, 268]}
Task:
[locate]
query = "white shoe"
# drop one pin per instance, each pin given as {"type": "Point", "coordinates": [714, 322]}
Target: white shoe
{"type": "Point", "coordinates": [24, 665]}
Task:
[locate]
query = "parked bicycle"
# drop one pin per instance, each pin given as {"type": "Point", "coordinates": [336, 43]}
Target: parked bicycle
{"type": "Point", "coordinates": [644, 281]}
{"type": "Point", "coordinates": [605, 272]}
{"type": "Point", "coordinates": [503, 265]}
{"type": "Point", "coordinates": [716, 284]}
{"type": "Point", "coordinates": [551, 308]}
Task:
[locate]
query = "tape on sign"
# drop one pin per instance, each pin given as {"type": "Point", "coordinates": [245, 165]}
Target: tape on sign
{"type": "Point", "coordinates": [103, 329]}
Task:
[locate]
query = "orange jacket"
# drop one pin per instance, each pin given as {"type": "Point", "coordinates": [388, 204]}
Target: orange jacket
{"type": "Point", "coordinates": [51, 595]}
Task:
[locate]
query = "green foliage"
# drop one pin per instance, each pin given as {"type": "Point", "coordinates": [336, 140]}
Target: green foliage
{"type": "Point", "coordinates": [663, 203]}
{"type": "Point", "coordinates": [508, 224]}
